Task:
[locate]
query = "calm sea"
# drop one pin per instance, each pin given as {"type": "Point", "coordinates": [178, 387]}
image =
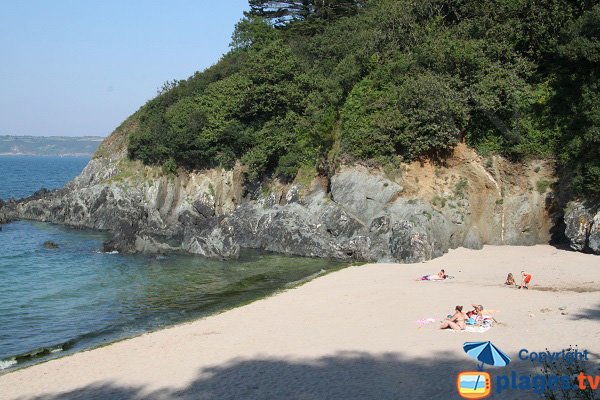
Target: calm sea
{"type": "Point", "coordinates": [20, 176]}
{"type": "Point", "coordinates": [57, 301]}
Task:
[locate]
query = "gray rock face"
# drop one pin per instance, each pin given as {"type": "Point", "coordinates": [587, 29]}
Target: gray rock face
{"type": "Point", "coordinates": [583, 226]}
{"type": "Point", "coordinates": [3, 217]}
{"type": "Point", "coordinates": [340, 223]}
{"type": "Point", "coordinates": [473, 239]}
{"type": "Point", "coordinates": [410, 243]}
{"type": "Point", "coordinates": [363, 194]}
{"type": "Point", "coordinates": [594, 238]}
{"type": "Point", "coordinates": [365, 217]}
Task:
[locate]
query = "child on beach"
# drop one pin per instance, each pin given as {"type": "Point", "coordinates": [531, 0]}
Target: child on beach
{"type": "Point", "coordinates": [525, 279]}
{"type": "Point", "coordinates": [510, 279]}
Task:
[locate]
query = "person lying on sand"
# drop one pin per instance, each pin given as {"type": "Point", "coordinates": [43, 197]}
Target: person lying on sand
{"type": "Point", "coordinates": [510, 279]}
{"type": "Point", "coordinates": [457, 321]}
{"type": "Point", "coordinates": [437, 277]}
{"type": "Point", "coordinates": [525, 279]}
{"type": "Point", "coordinates": [477, 310]}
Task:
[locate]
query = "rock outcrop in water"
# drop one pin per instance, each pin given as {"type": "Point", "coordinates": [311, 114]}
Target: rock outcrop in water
{"type": "Point", "coordinates": [410, 214]}
{"type": "Point", "coordinates": [50, 245]}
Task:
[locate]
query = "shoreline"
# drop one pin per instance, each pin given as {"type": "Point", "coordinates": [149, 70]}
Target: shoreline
{"type": "Point", "coordinates": [348, 334]}
{"type": "Point", "coordinates": [62, 353]}
{"type": "Point", "coordinates": [88, 341]}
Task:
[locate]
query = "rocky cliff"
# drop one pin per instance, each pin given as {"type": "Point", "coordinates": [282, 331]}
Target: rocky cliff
{"type": "Point", "coordinates": [582, 221]}
{"type": "Point", "coordinates": [410, 213]}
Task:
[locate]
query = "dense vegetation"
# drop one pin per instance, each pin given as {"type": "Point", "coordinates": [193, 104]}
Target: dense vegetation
{"type": "Point", "coordinates": [316, 82]}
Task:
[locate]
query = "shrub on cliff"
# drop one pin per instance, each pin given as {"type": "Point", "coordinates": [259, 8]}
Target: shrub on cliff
{"type": "Point", "coordinates": [313, 82]}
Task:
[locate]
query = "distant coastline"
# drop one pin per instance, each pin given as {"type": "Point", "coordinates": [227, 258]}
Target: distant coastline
{"type": "Point", "coordinates": [57, 146]}
{"type": "Point", "coordinates": [47, 155]}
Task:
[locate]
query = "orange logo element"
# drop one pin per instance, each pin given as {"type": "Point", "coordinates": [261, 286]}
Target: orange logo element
{"type": "Point", "coordinates": [473, 385]}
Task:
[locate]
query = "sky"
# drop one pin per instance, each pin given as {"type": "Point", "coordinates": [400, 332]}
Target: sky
{"type": "Point", "coordinates": [76, 68]}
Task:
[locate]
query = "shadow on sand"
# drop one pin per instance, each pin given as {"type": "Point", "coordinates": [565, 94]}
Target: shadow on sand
{"type": "Point", "coordinates": [345, 376]}
{"type": "Point", "coordinates": [588, 313]}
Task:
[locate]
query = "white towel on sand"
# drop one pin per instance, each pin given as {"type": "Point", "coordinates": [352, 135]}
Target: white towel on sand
{"type": "Point", "coordinates": [477, 329]}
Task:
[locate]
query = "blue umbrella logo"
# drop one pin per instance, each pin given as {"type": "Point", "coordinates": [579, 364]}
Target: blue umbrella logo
{"type": "Point", "coordinates": [486, 353]}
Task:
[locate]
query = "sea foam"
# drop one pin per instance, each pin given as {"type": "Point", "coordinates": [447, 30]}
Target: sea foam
{"type": "Point", "coordinates": [4, 364]}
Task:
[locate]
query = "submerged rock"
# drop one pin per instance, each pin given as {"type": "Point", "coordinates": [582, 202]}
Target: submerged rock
{"type": "Point", "coordinates": [50, 245]}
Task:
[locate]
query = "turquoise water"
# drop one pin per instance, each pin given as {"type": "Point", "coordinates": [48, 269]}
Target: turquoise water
{"type": "Point", "coordinates": [57, 301]}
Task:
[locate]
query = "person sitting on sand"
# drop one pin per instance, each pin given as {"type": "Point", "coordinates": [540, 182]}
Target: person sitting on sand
{"type": "Point", "coordinates": [525, 279]}
{"type": "Point", "coordinates": [437, 277]}
{"type": "Point", "coordinates": [510, 279]}
{"type": "Point", "coordinates": [455, 322]}
{"type": "Point", "coordinates": [476, 311]}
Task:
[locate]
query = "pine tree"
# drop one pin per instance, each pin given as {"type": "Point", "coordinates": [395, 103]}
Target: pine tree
{"type": "Point", "coordinates": [283, 12]}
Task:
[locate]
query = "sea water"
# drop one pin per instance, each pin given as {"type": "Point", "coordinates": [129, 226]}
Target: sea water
{"type": "Point", "coordinates": [57, 301]}
{"type": "Point", "coordinates": [20, 176]}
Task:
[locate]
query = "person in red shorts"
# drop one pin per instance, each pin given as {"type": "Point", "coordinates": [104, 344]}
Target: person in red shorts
{"type": "Point", "coordinates": [525, 279]}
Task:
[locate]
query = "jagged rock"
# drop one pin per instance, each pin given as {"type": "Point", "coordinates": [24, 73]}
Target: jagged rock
{"type": "Point", "coordinates": [363, 194]}
{"type": "Point", "coordinates": [410, 243]}
{"type": "Point", "coordinates": [583, 226]}
{"type": "Point", "coordinates": [380, 224]}
{"type": "Point", "coordinates": [431, 231]}
{"type": "Point", "coordinates": [38, 194]}
{"type": "Point", "coordinates": [523, 222]}
{"type": "Point", "coordinates": [204, 208]}
{"type": "Point", "coordinates": [215, 242]}
{"type": "Point", "coordinates": [6, 212]}
{"type": "Point", "coordinates": [340, 222]}
{"type": "Point", "coordinates": [290, 229]}
{"type": "Point", "coordinates": [358, 248]}
{"type": "Point", "coordinates": [270, 200]}
{"type": "Point", "coordinates": [594, 237]}
{"type": "Point", "coordinates": [293, 194]}
{"type": "Point", "coordinates": [3, 218]}
{"type": "Point", "coordinates": [364, 216]}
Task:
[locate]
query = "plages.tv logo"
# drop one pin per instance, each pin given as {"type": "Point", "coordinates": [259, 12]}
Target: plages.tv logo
{"type": "Point", "coordinates": [478, 384]}
{"type": "Point", "coordinates": [474, 385]}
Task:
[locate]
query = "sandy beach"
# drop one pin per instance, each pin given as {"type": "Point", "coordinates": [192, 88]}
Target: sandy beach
{"type": "Point", "coordinates": [352, 334]}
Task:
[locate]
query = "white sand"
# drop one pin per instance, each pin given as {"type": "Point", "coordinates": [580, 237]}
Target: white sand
{"type": "Point", "coordinates": [351, 334]}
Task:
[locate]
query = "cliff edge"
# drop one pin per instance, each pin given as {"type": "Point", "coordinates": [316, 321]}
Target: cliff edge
{"type": "Point", "coordinates": [411, 213]}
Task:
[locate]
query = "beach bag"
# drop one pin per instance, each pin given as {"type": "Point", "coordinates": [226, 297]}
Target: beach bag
{"type": "Point", "coordinates": [470, 321]}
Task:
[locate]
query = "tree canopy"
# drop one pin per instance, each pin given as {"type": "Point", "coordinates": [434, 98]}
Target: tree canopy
{"type": "Point", "coordinates": [284, 12]}
{"type": "Point", "coordinates": [324, 81]}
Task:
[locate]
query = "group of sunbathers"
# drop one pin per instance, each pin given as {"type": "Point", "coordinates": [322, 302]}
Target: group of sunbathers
{"type": "Point", "coordinates": [459, 320]}
{"type": "Point", "coordinates": [525, 279]}
{"type": "Point", "coordinates": [510, 279]}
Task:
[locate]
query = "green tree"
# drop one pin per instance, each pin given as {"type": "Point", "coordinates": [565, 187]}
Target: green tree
{"type": "Point", "coordinates": [284, 12]}
{"type": "Point", "coordinates": [313, 82]}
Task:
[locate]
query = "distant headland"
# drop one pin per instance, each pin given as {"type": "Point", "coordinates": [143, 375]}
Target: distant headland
{"type": "Point", "coordinates": [63, 146]}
